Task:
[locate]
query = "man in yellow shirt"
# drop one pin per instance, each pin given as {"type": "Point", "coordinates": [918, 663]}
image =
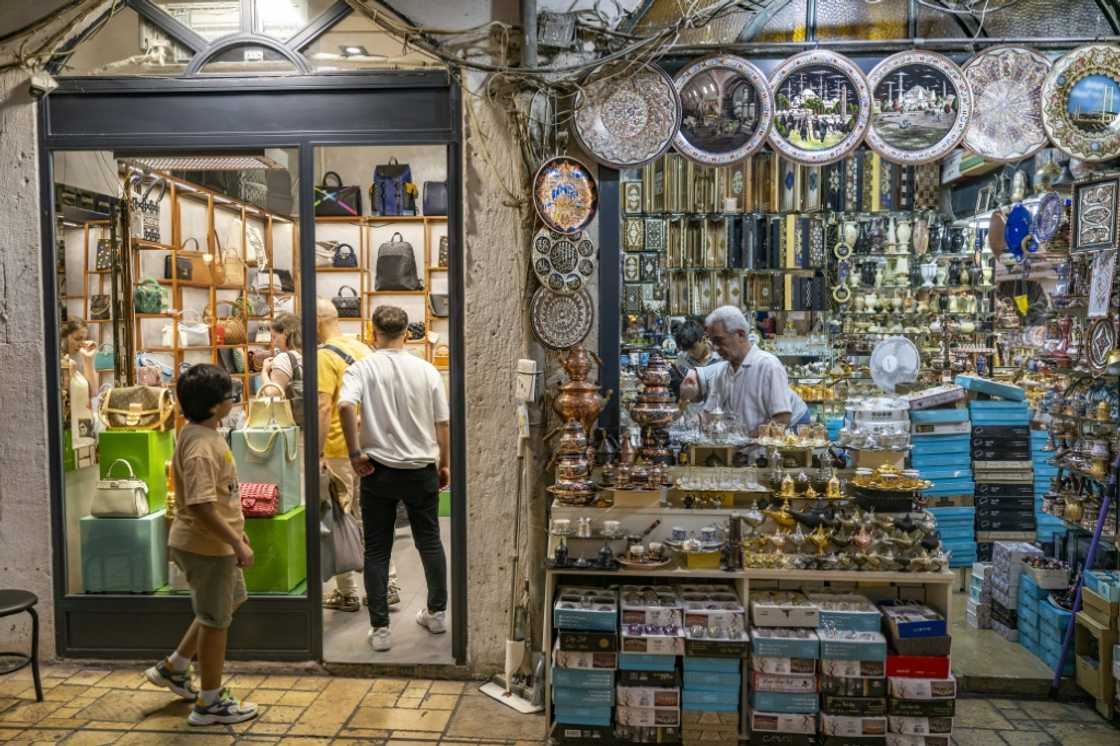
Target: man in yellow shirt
{"type": "Point", "coordinates": [336, 353]}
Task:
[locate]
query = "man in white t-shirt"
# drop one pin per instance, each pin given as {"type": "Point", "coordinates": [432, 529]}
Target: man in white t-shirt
{"type": "Point", "coordinates": [402, 453]}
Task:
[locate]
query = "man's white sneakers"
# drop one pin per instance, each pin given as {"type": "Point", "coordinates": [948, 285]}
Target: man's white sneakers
{"type": "Point", "coordinates": [433, 622]}
{"type": "Point", "coordinates": [380, 639]}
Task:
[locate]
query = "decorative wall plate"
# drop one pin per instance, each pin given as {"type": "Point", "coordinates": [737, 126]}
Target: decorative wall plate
{"type": "Point", "coordinates": [1102, 341]}
{"type": "Point", "coordinates": [560, 321]}
{"type": "Point", "coordinates": [563, 263]}
{"type": "Point", "coordinates": [1048, 217]}
{"type": "Point", "coordinates": [1017, 230]}
{"type": "Point", "coordinates": [565, 194]}
{"type": "Point", "coordinates": [1096, 214]}
{"type": "Point", "coordinates": [822, 106]}
{"type": "Point", "coordinates": [627, 118]}
{"type": "Point", "coordinates": [1081, 102]}
{"type": "Point", "coordinates": [727, 110]}
{"type": "Point", "coordinates": [921, 105]}
{"type": "Point", "coordinates": [1006, 120]}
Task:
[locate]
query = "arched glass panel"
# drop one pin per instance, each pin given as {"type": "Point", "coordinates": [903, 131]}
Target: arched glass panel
{"type": "Point", "coordinates": [355, 43]}
{"type": "Point", "coordinates": [249, 58]}
{"type": "Point", "coordinates": [210, 19]}
{"type": "Point", "coordinates": [283, 19]}
{"type": "Point", "coordinates": [127, 45]}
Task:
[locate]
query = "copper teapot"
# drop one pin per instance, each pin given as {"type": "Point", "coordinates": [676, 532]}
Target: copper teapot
{"type": "Point", "coordinates": [579, 399]}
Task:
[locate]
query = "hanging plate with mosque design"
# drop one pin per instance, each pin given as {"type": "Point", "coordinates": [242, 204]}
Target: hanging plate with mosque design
{"type": "Point", "coordinates": [822, 105]}
{"type": "Point", "coordinates": [920, 109]}
{"type": "Point", "coordinates": [727, 110]}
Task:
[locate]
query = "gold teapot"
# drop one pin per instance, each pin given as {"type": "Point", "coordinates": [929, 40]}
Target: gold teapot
{"type": "Point", "coordinates": [580, 399]}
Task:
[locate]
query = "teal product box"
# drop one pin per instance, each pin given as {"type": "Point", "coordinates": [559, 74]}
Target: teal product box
{"type": "Point", "coordinates": [646, 662]}
{"type": "Point", "coordinates": [148, 453]}
{"type": "Point", "coordinates": [776, 642]}
{"type": "Point", "coordinates": [998, 406]}
{"type": "Point", "coordinates": [850, 621]}
{"type": "Point", "coordinates": [867, 646]}
{"type": "Point", "coordinates": [582, 678]}
{"type": "Point", "coordinates": [920, 460]}
{"type": "Point", "coordinates": [1105, 583]}
{"type": "Point", "coordinates": [710, 701]}
{"type": "Point", "coordinates": [932, 416]}
{"type": "Point", "coordinates": [578, 715]}
{"type": "Point", "coordinates": [784, 702]}
{"type": "Point", "coordinates": [583, 697]}
{"type": "Point", "coordinates": [592, 609]}
{"type": "Point", "coordinates": [713, 665]}
{"type": "Point", "coordinates": [124, 555]}
{"type": "Point", "coordinates": [985, 386]}
{"type": "Point", "coordinates": [709, 680]}
{"type": "Point", "coordinates": [271, 456]}
{"type": "Point", "coordinates": [938, 473]}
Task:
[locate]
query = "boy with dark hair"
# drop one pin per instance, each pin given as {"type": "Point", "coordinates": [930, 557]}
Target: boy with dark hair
{"type": "Point", "coordinates": [208, 543]}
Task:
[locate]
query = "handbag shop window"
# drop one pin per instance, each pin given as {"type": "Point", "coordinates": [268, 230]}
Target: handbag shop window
{"type": "Point", "coordinates": [206, 273]}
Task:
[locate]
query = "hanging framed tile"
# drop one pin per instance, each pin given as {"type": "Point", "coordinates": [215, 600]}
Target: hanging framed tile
{"type": "Point", "coordinates": [921, 107]}
{"type": "Point", "coordinates": [822, 107]}
{"type": "Point", "coordinates": [727, 110]}
{"type": "Point", "coordinates": [632, 298]}
{"type": "Point", "coordinates": [565, 194]}
{"type": "Point", "coordinates": [632, 268]}
{"type": "Point", "coordinates": [649, 267]}
{"type": "Point", "coordinates": [1006, 120]}
{"type": "Point", "coordinates": [633, 234]}
{"type": "Point", "coordinates": [1101, 342]}
{"type": "Point", "coordinates": [1081, 102]}
{"type": "Point", "coordinates": [1100, 287]}
{"type": "Point", "coordinates": [655, 234]}
{"type": "Point", "coordinates": [1096, 214]}
{"type": "Point", "coordinates": [632, 197]}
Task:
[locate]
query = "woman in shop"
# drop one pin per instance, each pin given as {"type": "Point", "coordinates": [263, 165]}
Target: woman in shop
{"type": "Point", "coordinates": [79, 378]}
{"type": "Point", "coordinates": [286, 365]}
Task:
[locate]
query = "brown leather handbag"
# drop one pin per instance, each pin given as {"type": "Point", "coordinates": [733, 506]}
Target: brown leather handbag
{"type": "Point", "coordinates": [228, 269]}
{"type": "Point", "coordinates": [229, 328]}
{"type": "Point", "coordinates": [138, 408]}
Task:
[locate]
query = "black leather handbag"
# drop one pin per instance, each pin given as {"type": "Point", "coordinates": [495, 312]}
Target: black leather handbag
{"type": "Point", "coordinates": [439, 305]}
{"type": "Point", "coordinates": [287, 284]}
{"type": "Point", "coordinates": [336, 199]}
{"type": "Point", "coordinates": [396, 266]}
{"type": "Point", "coordinates": [349, 306]}
{"type": "Point", "coordinates": [183, 268]}
{"type": "Point", "coordinates": [344, 256]}
{"type": "Point", "coordinates": [435, 197]}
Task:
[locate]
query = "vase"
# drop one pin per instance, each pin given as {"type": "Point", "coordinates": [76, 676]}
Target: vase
{"type": "Point", "coordinates": [903, 233]}
{"type": "Point", "coordinates": [851, 233]}
{"type": "Point", "coordinates": [942, 274]}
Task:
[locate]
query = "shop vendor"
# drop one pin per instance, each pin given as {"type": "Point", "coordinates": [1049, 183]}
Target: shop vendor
{"type": "Point", "coordinates": [749, 382]}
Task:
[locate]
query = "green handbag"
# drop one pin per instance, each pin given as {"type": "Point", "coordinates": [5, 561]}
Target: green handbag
{"type": "Point", "coordinates": [148, 297]}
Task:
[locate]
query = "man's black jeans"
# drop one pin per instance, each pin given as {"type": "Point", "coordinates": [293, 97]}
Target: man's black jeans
{"type": "Point", "coordinates": [418, 489]}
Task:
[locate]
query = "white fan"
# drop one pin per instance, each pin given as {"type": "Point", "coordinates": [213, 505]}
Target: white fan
{"type": "Point", "coordinates": [895, 360]}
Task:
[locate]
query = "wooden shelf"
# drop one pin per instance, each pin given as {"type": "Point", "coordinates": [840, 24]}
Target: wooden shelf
{"type": "Point", "coordinates": [396, 292]}
{"type": "Point", "coordinates": [437, 269]}
{"type": "Point", "coordinates": [146, 245]}
{"type": "Point", "coordinates": [164, 315]}
{"type": "Point", "coordinates": [354, 219]}
{"type": "Point", "coordinates": [203, 285]}
{"type": "Point", "coordinates": [342, 270]}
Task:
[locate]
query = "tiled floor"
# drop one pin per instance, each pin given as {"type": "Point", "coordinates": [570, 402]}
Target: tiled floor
{"type": "Point", "coordinates": [102, 706]}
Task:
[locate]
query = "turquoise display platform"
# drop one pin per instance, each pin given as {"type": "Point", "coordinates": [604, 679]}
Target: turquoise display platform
{"type": "Point", "coordinates": [280, 552]}
{"type": "Point", "coordinates": [147, 451]}
{"type": "Point", "coordinates": [124, 555]}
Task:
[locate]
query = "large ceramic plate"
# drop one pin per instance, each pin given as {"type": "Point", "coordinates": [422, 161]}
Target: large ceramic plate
{"type": "Point", "coordinates": [1081, 102]}
{"type": "Point", "coordinates": [727, 110]}
{"type": "Point", "coordinates": [626, 117]}
{"type": "Point", "coordinates": [565, 194]}
{"type": "Point", "coordinates": [563, 263]}
{"type": "Point", "coordinates": [560, 321]}
{"type": "Point", "coordinates": [822, 106]}
{"type": "Point", "coordinates": [1006, 120]}
{"type": "Point", "coordinates": [1048, 218]}
{"type": "Point", "coordinates": [921, 105]}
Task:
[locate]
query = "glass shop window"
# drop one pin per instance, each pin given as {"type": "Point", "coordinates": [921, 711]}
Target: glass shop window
{"type": "Point", "coordinates": [249, 58]}
{"type": "Point", "coordinates": [126, 44]}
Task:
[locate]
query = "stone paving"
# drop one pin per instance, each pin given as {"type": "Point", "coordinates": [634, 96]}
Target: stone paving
{"type": "Point", "coordinates": [94, 706]}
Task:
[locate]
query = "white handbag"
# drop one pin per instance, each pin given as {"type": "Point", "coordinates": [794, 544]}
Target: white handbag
{"type": "Point", "coordinates": [264, 335]}
{"type": "Point", "coordinates": [256, 248]}
{"type": "Point", "coordinates": [120, 498]}
{"type": "Point", "coordinates": [266, 281]}
{"type": "Point", "coordinates": [324, 253]}
{"type": "Point", "coordinates": [193, 331]}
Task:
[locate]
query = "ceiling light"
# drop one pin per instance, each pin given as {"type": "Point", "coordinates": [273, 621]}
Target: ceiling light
{"type": "Point", "coordinates": [231, 161]}
{"type": "Point", "coordinates": [353, 50]}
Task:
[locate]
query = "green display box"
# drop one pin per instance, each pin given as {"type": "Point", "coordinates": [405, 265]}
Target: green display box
{"type": "Point", "coordinates": [280, 552]}
{"type": "Point", "coordinates": [124, 555]}
{"type": "Point", "coordinates": [147, 451]}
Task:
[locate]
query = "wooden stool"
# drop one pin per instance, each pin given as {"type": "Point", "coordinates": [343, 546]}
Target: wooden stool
{"type": "Point", "coordinates": [13, 602]}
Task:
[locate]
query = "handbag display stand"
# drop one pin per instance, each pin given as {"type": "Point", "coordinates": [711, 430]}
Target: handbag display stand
{"type": "Point", "coordinates": [280, 550]}
{"type": "Point", "coordinates": [147, 452]}
{"type": "Point", "coordinates": [124, 555]}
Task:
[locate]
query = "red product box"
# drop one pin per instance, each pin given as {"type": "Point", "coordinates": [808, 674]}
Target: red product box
{"type": "Point", "coordinates": [918, 666]}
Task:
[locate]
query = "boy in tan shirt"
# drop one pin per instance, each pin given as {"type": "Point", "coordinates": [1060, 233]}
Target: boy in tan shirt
{"type": "Point", "coordinates": [208, 543]}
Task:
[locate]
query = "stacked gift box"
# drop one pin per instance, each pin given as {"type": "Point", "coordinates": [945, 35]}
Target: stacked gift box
{"type": "Point", "coordinates": [1052, 623]}
{"type": "Point", "coordinates": [1027, 611]}
{"type": "Point", "coordinates": [922, 691]}
{"type": "Point", "coordinates": [652, 639]}
{"type": "Point", "coordinates": [585, 657]}
{"type": "Point", "coordinates": [785, 649]}
{"type": "Point", "coordinates": [1007, 568]}
{"type": "Point", "coordinates": [712, 691]}
{"type": "Point", "coordinates": [955, 526]}
{"type": "Point", "coordinates": [1046, 525]}
{"type": "Point", "coordinates": [978, 612]}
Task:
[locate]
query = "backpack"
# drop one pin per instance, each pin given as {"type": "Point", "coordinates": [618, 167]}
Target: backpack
{"type": "Point", "coordinates": [294, 389]}
{"type": "Point", "coordinates": [396, 266]}
{"type": "Point", "coordinates": [392, 191]}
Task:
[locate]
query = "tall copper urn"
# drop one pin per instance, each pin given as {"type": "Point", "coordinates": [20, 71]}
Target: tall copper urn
{"type": "Point", "coordinates": [580, 399]}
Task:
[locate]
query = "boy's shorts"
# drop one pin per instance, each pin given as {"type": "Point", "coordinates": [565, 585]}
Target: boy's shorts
{"type": "Point", "coordinates": [217, 586]}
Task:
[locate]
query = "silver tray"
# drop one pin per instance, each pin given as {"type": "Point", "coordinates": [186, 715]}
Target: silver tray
{"type": "Point", "coordinates": [1007, 111]}
{"type": "Point", "coordinates": [563, 263]}
{"type": "Point", "coordinates": [561, 321]}
{"type": "Point", "coordinates": [727, 110]}
{"type": "Point", "coordinates": [1079, 99]}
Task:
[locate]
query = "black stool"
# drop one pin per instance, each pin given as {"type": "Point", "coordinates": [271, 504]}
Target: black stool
{"type": "Point", "coordinates": [14, 602]}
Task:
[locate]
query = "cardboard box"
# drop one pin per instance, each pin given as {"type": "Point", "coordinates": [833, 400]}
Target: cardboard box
{"type": "Point", "coordinates": [643, 662]}
{"type": "Point", "coordinates": [582, 659]}
{"type": "Point", "coordinates": [854, 706]}
{"type": "Point", "coordinates": [925, 708]}
{"type": "Point", "coordinates": [920, 726]}
{"type": "Point", "coordinates": [854, 669]}
{"type": "Point", "coordinates": [841, 725]}
{"type": "Point", "coordinates": [1098, 608]}
{"type": "Point", "coordinates": [583, 697]}
{"type": "Point", "coordinates": [897, 739]}
{"type": "Point", "coordinates": [710, 680]}
{"type": "Point", "coordinates": [653, 644]}
{"type": "Point", "coordinates": [584, 608]}
{"type": "Point", "coordinates": [654, 735]}
{"type": "Point", "coordinates": [705, 648]}
{"type": "Point", "coordinates": [768, 738]}
{"type": "Point", "coordinates": [573, 715]}
{"type": "Point", "coordinates": [656, 679]}
{"type": "Point", "coordinates": [708, 700]}
{"type": "Point", "coordinates": [904, 688]}
{"type": "Point", "coordinates": [648, 717]}
{"type": "Point", "coordinates": [938, 396]}
{"type": "Point", "coordinates": [634, 610]}
{"type": "Point", "coordinates": [714, 665]}
{"type": "Point", "coordinates": [783, 609]}
{"type": "Point", "coordinates": [852, 646]}
{"type": "Point", "coordinates": [644, 696]}
{"type": "Point", "coordinates": [591, 642]}
{"type": "Point", "coordinates": [785, 702]}
{"type": "Point", "coordinates": [767, 682]}
{"type": "Point", "coordinates": [582, 678]}
{"type": "Point", "coordinates": [581, 735]}
{"type": "Point", "coordinates": [918, 667]}
{"type": "Point", "coordinates": [847, 612]}
{"type": "Point", "coordinates": [783, 666]}
{"type": "Point", "coordinates": [785, 643]}
{"type": "Point", "coordinates": [927, 646]}
{"type": "Point", "coordinates": [912, 620]}
{"type": "Point", "coordinates": [781, 723]}
{"type": "Point", "coordinates": [849, 687]}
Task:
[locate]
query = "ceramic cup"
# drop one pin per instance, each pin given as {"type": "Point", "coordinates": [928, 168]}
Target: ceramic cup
{"type": "Point", "coordinates": [677, 533]}
{"type": "Point", "coordinates": [561, 525]}
{"type": "Point", "coordinates": [708, 534]}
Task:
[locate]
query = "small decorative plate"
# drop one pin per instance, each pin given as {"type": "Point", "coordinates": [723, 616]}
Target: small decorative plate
{"type": "Point", "coordinates": [822, 106]}
{"type": "Point", "coordinates": [627, 118]}
{"type": "Point", "coordinates": [921, 105]}
{"type": "Point", "coordinates": [1048, 218]}
{"type": "Point", "coordinates": [563, 263]}
{"type": "Point", "coordinates": [565, 194]}
{"type": "Point", "coordinates": [727, 110]}
{"type": "Point", "coordinates": [1081, 102]}
{"type": "Point", "coordinates": [561, 321]}
{"type": "Point", "coordinates": [1007, 111]}
{"type": "Point", "coordinates": [1017, 229]}
{"type": "Point", "coordinates": [996, 227]}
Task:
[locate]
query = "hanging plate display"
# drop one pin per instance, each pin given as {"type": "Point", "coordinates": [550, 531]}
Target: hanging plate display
{"type": "Point", "coordinates": [1017, 230]}
{"type": "Point", "coordinates": [563, 263]}
{"type": "Point", "coordinates": [822, 105]}
{"type": "Point", "coordinates": [1081, 102]}
{"type": "Point", "coordinates": [565, 194]}
{"type": "Point", "coordinates": [920, 107]}
{"type": "Point", "coordinates": [560, 321]}
{"type": "Point", "coordinates": [1102, 341]}
{"type": "Point", "coordinates": [1006, 120]}
{"type": "Point", "coordinates": [1048, 218]}
{"type": "Point", "coordinates": [727, 110]}
{"type": "Point", "coordinates": [627, 118]}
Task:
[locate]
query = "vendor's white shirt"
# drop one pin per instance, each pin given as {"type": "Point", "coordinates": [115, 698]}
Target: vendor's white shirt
{"type": "Point", "coordinates": [754, 393]}
{"type": "Point", "coordinates": [401, 399]}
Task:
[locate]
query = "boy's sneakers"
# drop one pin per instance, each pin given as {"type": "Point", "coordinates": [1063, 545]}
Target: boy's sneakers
{"type": "Point", "coordinates": [380, 639]}
{"type": "Point", "coordinates": [225, 709]}
{"type": "Point", "coordinates": [177, 681]}
{"type": "Point", "coordinates": [341, 601]}
{"type": "Point", "coordinates": [434, 622]}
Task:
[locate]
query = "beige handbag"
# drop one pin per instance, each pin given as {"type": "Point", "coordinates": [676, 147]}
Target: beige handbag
{"type": "Point", "coordinates": [229, 329]}
{"type": "Point", "coordinates": [267, 411]}
{"type": "Point", "coordinates": [120, 498]}
{"type": "Point", "coordinates": [138, 408]}
{"type": "Point", "coordinates": [227, 269]}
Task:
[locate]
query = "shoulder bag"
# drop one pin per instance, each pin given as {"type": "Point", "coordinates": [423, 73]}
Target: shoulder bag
{"type": "Point", "coordinates": [105, 253]}
{"type": "Point", "coordinates": [439, 305]}
{"type": "Point", "coordinates": [259, 499]}
{"type": "Point", "coordinates": [336, 199]}
{"type": "Point", "coordinates": [441, 356]}
{"type": "Point", "coordinates": [444, 253]}
{"type": "Point", "coordinates": [137, 408]}
{"type": "Point", "coordinates": [154, 369]}
{"type": "Point", "coordinates": [254, 237]}
{"type": "Point", "coordinates": [99, 307]}
{"type": "Point", "coordinates": [228, 329]}
{"type": "Point", "coordinates": [266, 411]}
{"type": "Point", "coordinates": [435, 197]}
{"type": "Point", "coordinates": [392, 191]}
{"type": "Point", "coordinates": [349, 306]}
{"type": "Point", "coordinates": [120, 498]}
{"type": "Point", "coordinates": [104, 358]}
{"type": "Point", "coordinates": [149, 209]}
{"type": "Point", "coordinates": [294, 389]}
{"type": "Point", "coordinates": [226, 267]}
{"type": "Point", "coordinates": [193, 331]}
{"type": "Point", "coordinates": [191, 265]}
{"type": "Point", "coordinates": [344, 256]}
{"type": "Point", "coordinates": [255, 303]}
{"type": "Point", "coordinates": [340, 537]}
{"type": "Point", "coordinates": [148, 297]}
{"type": "Point", "coordinates": [263, 336]}
{"type": "Point", "coordinates": [396, 266]}
{"type": "Point", "coordinates": [324, 253]}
